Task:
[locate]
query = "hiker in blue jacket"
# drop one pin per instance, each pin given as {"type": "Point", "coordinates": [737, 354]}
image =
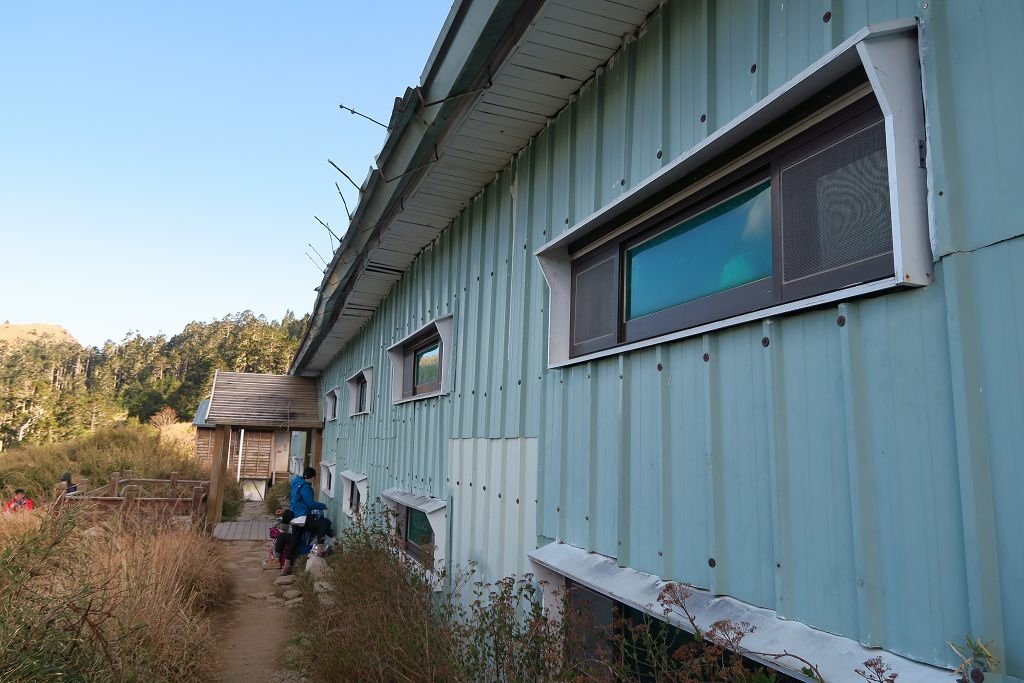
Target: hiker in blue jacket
{"type": "Point", "coordinates": [303, 504]}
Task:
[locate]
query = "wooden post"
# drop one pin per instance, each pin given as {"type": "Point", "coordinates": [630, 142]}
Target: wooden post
{"type": "Point", "coordinates": [318, 451]}
{"type": "Point", "coordinates": [218, 467]}
{"type": "Point", "coordinates": [129, 475]}
{"type": "Point", "coordinates": [130, 493]}
{"type": "Point", "coordinates": [174, 485]}
{"type": "Point", "coordinates": [307, 449]}
{"type": "Point", "coordinates": [197, 502]}
{"type": "Point", "coordinates": [115, 478]}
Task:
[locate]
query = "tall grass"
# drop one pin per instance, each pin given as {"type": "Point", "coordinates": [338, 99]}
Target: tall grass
{"type": "Point", "coordinates": [126, 599]}
{"type": "Point", "coordinates": [129, 446]}
{"type": "Point", "coordinates": [386, 622]}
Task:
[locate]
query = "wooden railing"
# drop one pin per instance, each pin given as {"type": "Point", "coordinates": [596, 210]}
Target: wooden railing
{"type": "Point", "coordinates": [172, 496]}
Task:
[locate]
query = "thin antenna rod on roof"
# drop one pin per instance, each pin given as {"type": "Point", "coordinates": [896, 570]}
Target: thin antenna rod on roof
{"type": "Point", "coordinates": [322, 270]}
{"type": "Point", "coordinates": [425, 104]}
{"type": "Point", "coordinates": [347, 212]}
{"type": "Point", "coordinates": [318, 254]}
{"type": "Point", "coordinates": [328, 230]}
{"type": "Point", "coordinates": [437, 158]}
{"type": "Point", "coordinates": [347, 176]}
{"type": "Point", "coordinates": [368, 118]}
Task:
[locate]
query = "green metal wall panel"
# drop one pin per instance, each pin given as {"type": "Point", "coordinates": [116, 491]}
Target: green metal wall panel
{"type": "Point", "coordinates": [863, 479]}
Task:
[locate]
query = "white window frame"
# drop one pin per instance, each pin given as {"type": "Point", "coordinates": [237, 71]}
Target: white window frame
{"type": "Point", "coordinates": [362, 483]}
{"type": "Point", "coordinates": [331, 401]}
{"type": "Point", "coordinates": [352, 387]}
{"type": "Point", "coordinates": [327, 478]}
{"type": "Point", "coordinates": [889, 55]}
{"type": "Point", "coordinates": [436, 510]}
{"type": "Point", "coordinates": [444, 328]}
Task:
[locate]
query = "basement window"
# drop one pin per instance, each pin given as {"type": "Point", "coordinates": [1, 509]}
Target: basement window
{"type": "Point", "coordinates": [360, 392]}
{"type": "Point", "coordinates": [421, 524]}
{"type": "Point", "coordinates": [354, 494]}
{"type": "Point", "coordinates": [816, 194]}
{"type": "Point", "coordinates": [421, 362]}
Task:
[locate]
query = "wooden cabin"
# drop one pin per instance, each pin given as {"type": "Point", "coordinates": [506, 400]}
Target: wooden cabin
{"type": "Point", "coordinates": [259, 412]}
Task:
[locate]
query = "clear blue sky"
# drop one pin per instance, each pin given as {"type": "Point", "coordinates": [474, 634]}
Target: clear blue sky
{"type": "Point", "coordinates": [162, 162]}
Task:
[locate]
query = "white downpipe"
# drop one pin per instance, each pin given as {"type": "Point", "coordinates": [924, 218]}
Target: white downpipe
{"type": "Point", "coordinates": [241, 442]}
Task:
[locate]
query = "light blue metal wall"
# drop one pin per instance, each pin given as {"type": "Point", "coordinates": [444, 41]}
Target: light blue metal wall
{"type": "Point", "coordinates": [864, 479]}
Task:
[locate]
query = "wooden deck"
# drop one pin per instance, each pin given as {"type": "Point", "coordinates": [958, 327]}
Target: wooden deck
{"type": "Point", "coordinates": [248, 530]}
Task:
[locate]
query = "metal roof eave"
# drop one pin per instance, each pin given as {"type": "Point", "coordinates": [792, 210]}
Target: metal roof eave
{"type": "Point", "coordinates": [407, 148]}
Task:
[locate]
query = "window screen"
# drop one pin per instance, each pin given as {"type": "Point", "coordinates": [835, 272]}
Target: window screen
{"type": "Point", "coordinates": [835, 206]}
{"type": "Point", "coordinates": [595, 302]}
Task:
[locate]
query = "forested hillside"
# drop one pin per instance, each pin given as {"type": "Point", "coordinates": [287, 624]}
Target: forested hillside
{"type": "Point", "coordinates": [52, 388]}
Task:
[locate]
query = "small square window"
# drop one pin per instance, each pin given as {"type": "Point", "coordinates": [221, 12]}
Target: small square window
{"type": "Point", "coordinates": [331, 405]}
{"type": "Point", "coordinates": [355, 491]}
{"type": "Point", "coordinates": [418, 536]}
{"type": "Point", "coordinates": [361, 395]}
{"type": "Point", "coordinates": [420, 524]}
{"type": "Point", "coordinates": [360, 392]}
{"type": "Point", "coordinates": [422, 362]}
{"type": "Point", "coordinates": [327, 478]}
{"type": "Point", "coordinates": [426, 367]}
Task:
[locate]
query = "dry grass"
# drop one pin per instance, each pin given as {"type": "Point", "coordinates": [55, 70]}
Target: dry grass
{"type": "Point", "coordinates": [180, 436]}
{"type": "Point", "coordinates": [14, 525]}
{"type": "Point", "coordinates": [125, 600]}
{"type": "Point", "coordinates": [129, 446]}
{"type": "Point", "coordinates": [395, 627]}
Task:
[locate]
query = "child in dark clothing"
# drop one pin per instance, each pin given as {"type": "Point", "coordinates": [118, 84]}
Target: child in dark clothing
{"type": "Point", "coordinates": [285, 545]}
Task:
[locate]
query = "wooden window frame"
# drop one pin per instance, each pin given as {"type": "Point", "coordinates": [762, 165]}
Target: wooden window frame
{"type": "Point", "coordinates": [757, 295]}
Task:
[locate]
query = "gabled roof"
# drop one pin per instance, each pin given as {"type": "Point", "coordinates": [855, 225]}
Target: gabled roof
{"type": "Point", "coordinates": [500, 70]}
{"type": "Point", "coordinates": [243, 399]}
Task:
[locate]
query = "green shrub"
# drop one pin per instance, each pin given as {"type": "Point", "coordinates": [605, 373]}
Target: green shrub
{"type": "Point", "coordinates": [396, 626]}
{"type": "Point", "coordinates": [278, 496]}
{"type": "Point", "coordinates": [234, 499]}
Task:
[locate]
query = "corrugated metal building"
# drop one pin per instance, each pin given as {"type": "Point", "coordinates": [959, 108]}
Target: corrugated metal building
{"type": "Point", "coordinates": [852, 466]}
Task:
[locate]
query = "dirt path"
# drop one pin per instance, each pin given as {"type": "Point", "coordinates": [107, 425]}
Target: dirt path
{"type": "Point", "coordinates": [254, 630]}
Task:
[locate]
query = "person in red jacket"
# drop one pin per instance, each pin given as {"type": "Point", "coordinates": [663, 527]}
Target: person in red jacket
{"type": "Point", "coordinates": [19, 503]}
